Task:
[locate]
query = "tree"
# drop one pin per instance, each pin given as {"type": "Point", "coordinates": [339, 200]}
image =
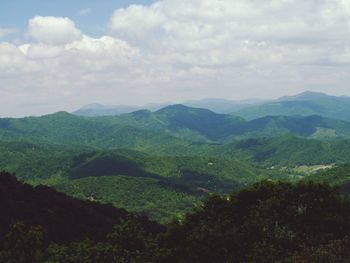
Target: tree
{"type": "Point", "coordinates": [22, 244]}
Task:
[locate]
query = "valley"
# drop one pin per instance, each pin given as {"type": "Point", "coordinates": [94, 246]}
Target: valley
{"type": "Point", "coordinates": [165, 163]}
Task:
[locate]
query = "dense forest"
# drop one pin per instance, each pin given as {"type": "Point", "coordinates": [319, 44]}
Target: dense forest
{"type": "Point", "coordinates": [180, 153]}
{"type": "Point", "coordinates": [266, 222]}
{"type": "Point", "coordinates": [178, 184]}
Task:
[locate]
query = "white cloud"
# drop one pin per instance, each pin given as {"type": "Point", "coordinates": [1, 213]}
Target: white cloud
{"type": "Point", "coordinates": [175, 50]}
{"type": "Point", "coordinates": [39, 51]}
{"type": "Point", "coordinates": [53, 30]}
{"type": "Point", "coordinates": [13, 63]}
{"type": "Point", "coordinates": [138, 22]}
{"type": "Point", "coordinates": [247, 43]}
{"type": "Point", "coordinates": [234, 31]}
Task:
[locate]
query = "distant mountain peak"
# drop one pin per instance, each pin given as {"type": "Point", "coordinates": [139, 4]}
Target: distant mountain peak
{"type": "Point", "coordinates": [307, 95]}
{"type": "Point", "coordinates": [174, 107]}
{"type": "Point", "coordinates": [180, 108]}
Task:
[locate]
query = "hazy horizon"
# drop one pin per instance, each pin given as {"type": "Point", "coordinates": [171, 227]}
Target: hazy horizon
{"type": "Point", "coordinates": [96, 105]}
{"type": "Point", "coordinates": [60, 56]}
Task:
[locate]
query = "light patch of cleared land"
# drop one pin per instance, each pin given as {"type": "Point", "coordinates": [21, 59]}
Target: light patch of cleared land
{"type": "Point", "coordinates": [311, 169]}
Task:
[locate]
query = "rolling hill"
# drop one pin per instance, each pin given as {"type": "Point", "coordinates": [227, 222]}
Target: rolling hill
{"type": "Point", "coordinates": [162, 187]}
{"type": "Point", "coordinates": [172, 125]}
{"type": "Point", "coordinates": [216, 105]}
{"type": "Point", "coordinates": [290, 151]}
{"type": "Point", "coordinates": [304, 104]}
{"type": "Point", "coordinates": [338, 176]}
{"type": "Point", "coordinates": [95, 110]}
{"type": "Point", "coordinates": [178, 153]}
{"type": "Point", "coordinates": [165, 186]}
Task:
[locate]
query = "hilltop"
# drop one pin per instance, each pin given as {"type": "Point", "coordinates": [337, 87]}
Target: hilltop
{"type": "Point", "coordinates": [304, 104]}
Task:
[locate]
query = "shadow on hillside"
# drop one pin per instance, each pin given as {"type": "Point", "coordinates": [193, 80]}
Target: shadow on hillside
{"type": "Point", "coordinates": [89, 165]}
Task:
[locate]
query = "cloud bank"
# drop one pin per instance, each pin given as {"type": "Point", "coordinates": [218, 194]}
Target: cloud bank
{"type": "Point", "coordinates": [175, 50]}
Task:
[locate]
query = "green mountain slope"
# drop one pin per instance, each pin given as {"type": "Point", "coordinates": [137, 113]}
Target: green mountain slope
{"type": "Point", "coordinates": [216, 105]}
{"type": "Point", "coordinates": [338, 175]}
{"type": "Point", "coordinates": [128, 178]}
{"type": "Point", "coordinates": [114, 176]}
{"type": "Point", "coordinates": [305, 104]}
{"type": "Point", "coordinates": [181, 153]}
{"type": "Point", "coordinates": [66, 129]}
{"type": "Point", "coordinates": [175, 125]}
{"type": "Point", "coordinates": [28, 160]}
{"type": "Point", "coordinates": [212, 125]}
{"type": "Point", "coordinates": [290, 151]}
{"type": "Point", "coordinates": [144, 196]}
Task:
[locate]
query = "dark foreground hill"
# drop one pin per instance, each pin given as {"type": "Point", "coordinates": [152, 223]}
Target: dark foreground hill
{"type": "Point", "coordinates": [267, 222]}
{"type": "Point", "coordinates": [63, 218]}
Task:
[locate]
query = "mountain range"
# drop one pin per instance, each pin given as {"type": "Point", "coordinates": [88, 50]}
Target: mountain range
{"type": "Point", "coordinates": [304, 104]}
{"type": "Point", "coordinates": [161, 162]}
{"type": "Point", "coordinates": [213, 104]}
{"type": "Point", "coordinates": [175, 123]}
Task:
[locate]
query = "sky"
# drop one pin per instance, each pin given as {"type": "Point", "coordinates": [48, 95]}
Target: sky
{"type": "Point", "coordinates": [60, 55]}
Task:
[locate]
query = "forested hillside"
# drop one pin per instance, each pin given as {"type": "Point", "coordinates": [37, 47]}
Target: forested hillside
{"type": "Point", "coordinates": [304, 104]}
{"type": "Point", "coordinates": [164, 163]}
{"type": "Point", "coordinates": [267, 222]}
{"type": "Point", "coordinates": [173, 125]}
{"type": "Point", "coordinates": [192, 169]}
{"type": "Point", "coordinates": [65, 219]}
